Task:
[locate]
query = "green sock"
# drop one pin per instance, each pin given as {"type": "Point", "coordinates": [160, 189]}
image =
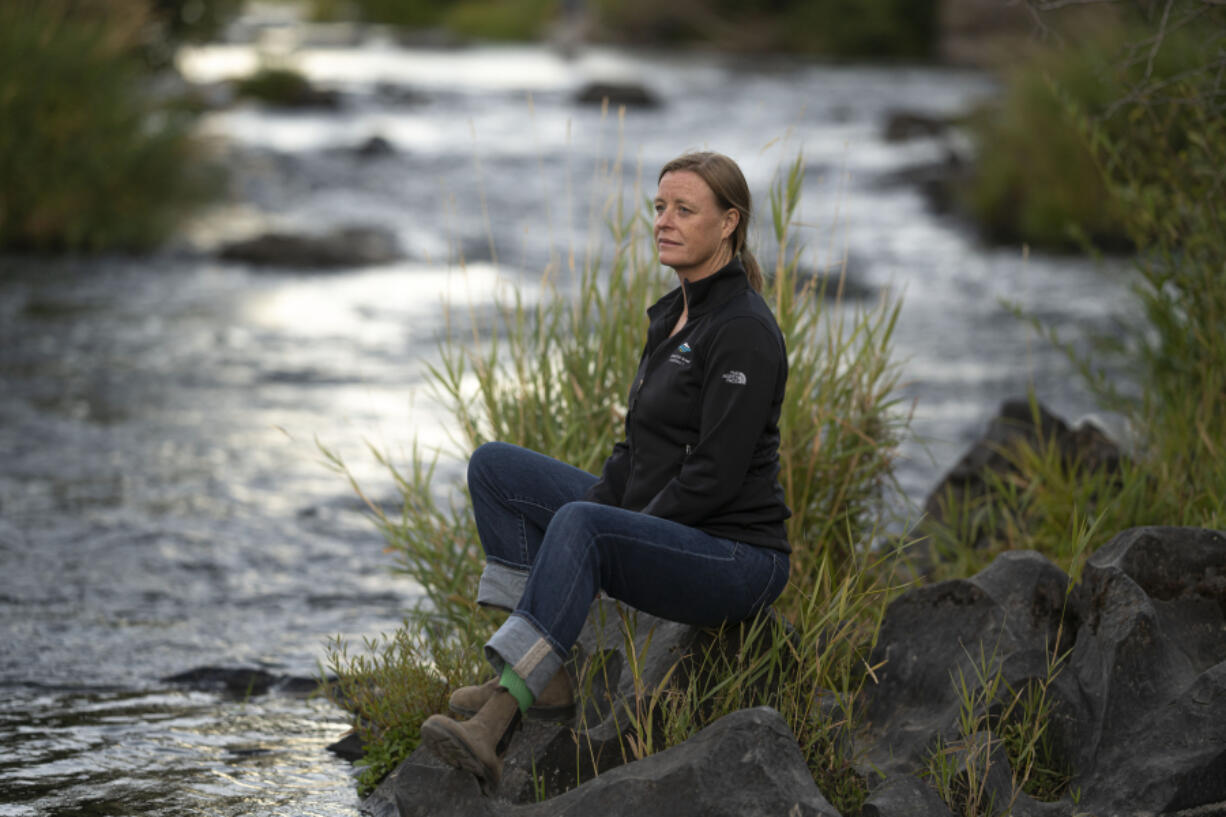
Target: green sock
{"type": "Point", "coordinates": [515, 685]}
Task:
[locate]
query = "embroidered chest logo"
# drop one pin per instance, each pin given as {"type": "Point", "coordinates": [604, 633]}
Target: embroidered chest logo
{"type": "Point", "coordinates": [734, 377]}
{"type": "Point", "coordinates": [681, 355]}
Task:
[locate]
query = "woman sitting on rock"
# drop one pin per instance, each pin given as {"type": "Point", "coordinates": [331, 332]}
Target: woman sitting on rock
{"type": "Point", "coordinates": [686, 521]}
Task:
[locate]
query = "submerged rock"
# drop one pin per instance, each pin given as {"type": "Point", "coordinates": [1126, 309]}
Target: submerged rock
{"type": "Point", "coordinates": [632, 95]}
{"type": "Point", "coordinates": [343, 247]}
{"type": "Point", "coordinates": [242, 682]}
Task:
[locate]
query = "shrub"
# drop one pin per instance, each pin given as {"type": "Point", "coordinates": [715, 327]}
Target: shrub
{"type": "Point", "coordinates": [1036, 179]}
{"type": "Point", "coordinates": [87, 161]}
{"type": "Point", "coordinates": [847, 29]}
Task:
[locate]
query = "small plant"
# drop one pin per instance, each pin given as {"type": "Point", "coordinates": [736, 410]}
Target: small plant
{"type": "Point", "coordinates": [1000, 725]}
{"type": "Point", "coordinates": [393, 685]}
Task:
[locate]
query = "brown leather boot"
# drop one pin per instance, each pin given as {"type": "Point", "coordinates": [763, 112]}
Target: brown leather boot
{"type": "Point", "coordinates": [557, 701]}
{"type": "Point", "coordinates": [478, 744]}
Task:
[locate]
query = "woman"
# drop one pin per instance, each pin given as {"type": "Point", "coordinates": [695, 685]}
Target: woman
{"type": "Point", "coordinates": [686, 521]}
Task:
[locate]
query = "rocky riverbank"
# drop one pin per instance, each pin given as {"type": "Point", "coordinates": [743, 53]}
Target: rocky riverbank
{"type": "Point", "coordinates": [1132, 659]}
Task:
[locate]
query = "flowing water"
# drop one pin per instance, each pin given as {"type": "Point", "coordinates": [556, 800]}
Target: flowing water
{"type": "Point", "coordinates": [163, 504]}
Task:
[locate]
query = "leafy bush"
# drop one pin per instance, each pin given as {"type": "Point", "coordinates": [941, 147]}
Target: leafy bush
{"type": "Point", "coordinates": [1036, 179]}
{"type": "Point", "coordinates": [87, 161]}
{"type": "Point", "coordinates": [830, 28]}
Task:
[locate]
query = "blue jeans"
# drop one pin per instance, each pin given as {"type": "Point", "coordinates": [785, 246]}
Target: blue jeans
{"type": "Point", "coordinates": [548, 554]}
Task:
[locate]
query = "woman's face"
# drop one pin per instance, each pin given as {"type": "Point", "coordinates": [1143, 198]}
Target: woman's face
{"type": "Point", "coordinates": [690, 228]}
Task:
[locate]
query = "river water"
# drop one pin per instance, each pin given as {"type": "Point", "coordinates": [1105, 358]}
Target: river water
{"type": "Point", "coordinates": [163, 501]}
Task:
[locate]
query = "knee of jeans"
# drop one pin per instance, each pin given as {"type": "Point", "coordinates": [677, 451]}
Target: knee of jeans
{"type": "Point", "coordinates": [575, 518]}
{"type": "Point", "coordinates": [481, 459]}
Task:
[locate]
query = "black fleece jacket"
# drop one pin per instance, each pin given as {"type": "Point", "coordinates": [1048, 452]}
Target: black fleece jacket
{"type": "Point", "coordinates": [702, 422]}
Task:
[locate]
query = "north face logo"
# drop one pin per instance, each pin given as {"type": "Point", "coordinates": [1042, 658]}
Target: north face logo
{"type": "Point", "coordinates": [735, 378]}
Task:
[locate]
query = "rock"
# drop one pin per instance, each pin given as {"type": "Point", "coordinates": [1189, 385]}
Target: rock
{"type": "Point", "coordinates": [827, 280]}
{"type": "Point", "coordinates": [391, 93]}
{"type": "Point", "coordinates": [344, 247]}
{"type": "Point", "coordinates": [1018, 424]}
{"type": "Point", "coordinates": [746, 763]}
{"type": "Point", "coordinates": [902, 126]}
{"type": "Point", "coordinates": [542, 759]}
{"type": "Point", "coordinates": [374, 147]}
{"type": "Point", "coordinates": [904, 795]}
{"type": "Point", "coordinates": [618, 93]}
{"type": "Point", "coordinates": [932, 638]}
{"type": "Point", "coordinates": [938, 182]}
{"type": "Point", "coordinates": [242, 682]}
{"type": "Point", "coordinates": [350, 747]}
{"type": "Point", "coordinates": [1138, 708]}
{"type": "Point", "coordinates": [1150, 659]}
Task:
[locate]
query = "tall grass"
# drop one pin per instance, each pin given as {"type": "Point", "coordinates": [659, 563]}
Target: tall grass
{"type": "Point", "coordinates": [552, 374]}
{"type": "Point", "coordinates": [87, 161]}
{"type": "Point", "coordinates": [1161, 157]}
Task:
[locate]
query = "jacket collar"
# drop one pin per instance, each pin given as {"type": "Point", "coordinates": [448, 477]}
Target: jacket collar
{"type": "Point", "coordinates": [705, 294]}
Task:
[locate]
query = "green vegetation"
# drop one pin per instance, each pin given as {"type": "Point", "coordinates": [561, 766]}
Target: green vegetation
{"type": "Point", "coordinates": [87, 161]}
{"type": "Point", "coordinates": [280, 86]}
{"type": "Point", "coordinates": [1160, 156]}
{"type": "Point", "coordinates": [844, 29]}
{"type": "Point", "coordinates": [480, 19]}
{"type": "Point", "coordinates": [1036, 178]}
{"type": "Point", "coordinates": [393, 685]}
{"type": "Point", "coordinates": [998, 725]}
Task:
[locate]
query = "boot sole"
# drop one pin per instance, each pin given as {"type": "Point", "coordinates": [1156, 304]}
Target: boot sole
{"type": "Point", "coordinates": [454, 751]}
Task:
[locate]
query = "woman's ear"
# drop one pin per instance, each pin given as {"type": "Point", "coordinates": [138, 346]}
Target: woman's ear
{"type": "Point", "coordinates": [732, 217]}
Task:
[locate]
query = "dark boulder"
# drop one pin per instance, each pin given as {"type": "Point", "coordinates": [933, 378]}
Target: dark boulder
{"type": "Point", "coordinates": [934, 638]}
{"type": "Point", "coordinates": [631, 95]}
{"type": "Point", "coordinates": [1150, 659]}
{"type": "Point", "coordinates": [350, 747]}
{"type": "Point", "coordinates": [344, 247]}
{"type": "Point", "coordinates": [746, 763]}
{"type": "Point", "coordinates": [1136, 657]}
{"type": "Point", "coordinates": [904, 795]}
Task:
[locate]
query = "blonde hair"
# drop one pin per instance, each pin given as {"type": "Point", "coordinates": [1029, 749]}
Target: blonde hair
{"type": "Point", "coordinates": [726, 181]}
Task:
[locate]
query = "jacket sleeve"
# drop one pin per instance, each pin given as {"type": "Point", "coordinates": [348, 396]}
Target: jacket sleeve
{"type": "Point", "coordinates": [612, 485]}
{"type": "Point", "coordinates": [740, 378]}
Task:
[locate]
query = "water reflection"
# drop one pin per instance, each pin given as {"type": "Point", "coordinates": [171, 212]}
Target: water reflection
{"type": "Point", "coordinates": [123, 752]}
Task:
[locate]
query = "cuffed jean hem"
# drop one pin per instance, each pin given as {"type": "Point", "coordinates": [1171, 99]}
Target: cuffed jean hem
{"type": "Point", "coordinates": [501, 586]}
{"type": "Point", "coordinates": [527, 650]}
